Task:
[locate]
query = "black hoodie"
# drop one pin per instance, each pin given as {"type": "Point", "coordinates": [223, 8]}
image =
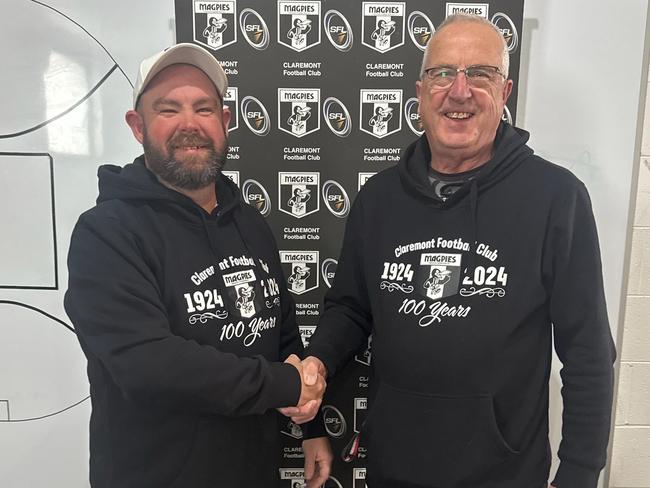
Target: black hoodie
{"type": "Point", "coordinates": [462, 298]}
{"type": "Point", "coordinates": [181, 314]}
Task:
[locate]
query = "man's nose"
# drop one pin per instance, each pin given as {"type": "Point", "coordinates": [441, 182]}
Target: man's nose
{"type": "Point", "coordinates": [459, 89]}
{"type": "Point", "coordinates": [188, 121]}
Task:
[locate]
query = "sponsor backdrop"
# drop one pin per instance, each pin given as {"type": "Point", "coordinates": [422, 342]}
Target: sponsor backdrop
{"type": "Point", "coordinates": [322, 95]}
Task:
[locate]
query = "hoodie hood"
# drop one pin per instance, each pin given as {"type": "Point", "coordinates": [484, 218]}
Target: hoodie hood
{"type": "Point", "coordinates": [136, 182]}
{"type": "Point", "coordinates": [510, 150]}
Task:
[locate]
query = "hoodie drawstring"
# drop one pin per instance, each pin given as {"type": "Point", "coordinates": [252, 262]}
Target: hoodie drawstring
{"type": "Point", "coordinates": [473, 208]}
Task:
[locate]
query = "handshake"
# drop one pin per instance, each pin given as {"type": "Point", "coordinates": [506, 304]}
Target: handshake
{"type": "Point", "coordinates": [312, 373]}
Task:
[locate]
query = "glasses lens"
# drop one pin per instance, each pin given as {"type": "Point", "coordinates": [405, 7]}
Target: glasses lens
{"type": "Point", "coordinates": [480, 75]}
{"type": "Point", "coordinates": [442, 76]}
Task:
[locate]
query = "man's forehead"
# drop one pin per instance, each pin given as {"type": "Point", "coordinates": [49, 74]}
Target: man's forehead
{"type": "Point", "coordinates": [465, 38]}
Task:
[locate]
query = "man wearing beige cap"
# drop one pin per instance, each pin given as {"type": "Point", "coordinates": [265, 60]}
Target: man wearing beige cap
{"type": "Point", "coordinates": [185, 375]}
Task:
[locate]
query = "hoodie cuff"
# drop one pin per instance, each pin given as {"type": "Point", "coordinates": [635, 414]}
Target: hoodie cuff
{"type": "Point", "coordinates": [316, 427]}
{"type": "Point", "coordinates": [570, 475]}
{"type": "Point", "coordinates": [285, 385]}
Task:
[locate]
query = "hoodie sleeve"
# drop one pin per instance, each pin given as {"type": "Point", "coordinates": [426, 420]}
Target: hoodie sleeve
{"type": "Point", "coordinates": [346, 321]}
{"type": "Point", "coordinates": [583, 340]}
{"type": "Point", "coordinates": [116, 307]}
{"type": "Point", "coordinates": [290, 340]}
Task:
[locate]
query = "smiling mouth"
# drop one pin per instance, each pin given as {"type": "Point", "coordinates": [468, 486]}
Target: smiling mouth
{"type": "Point", "coordinates": [190, 148]}
{"type": "Point", "coordinates": [458, 115]}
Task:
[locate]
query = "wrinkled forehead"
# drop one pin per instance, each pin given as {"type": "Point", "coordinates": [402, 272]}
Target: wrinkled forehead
{"type": "Point", "coordinates": [465, 43]}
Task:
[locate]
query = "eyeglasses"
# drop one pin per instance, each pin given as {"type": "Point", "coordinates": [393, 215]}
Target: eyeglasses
{"type": "Point", "coordinates": [477, 76]}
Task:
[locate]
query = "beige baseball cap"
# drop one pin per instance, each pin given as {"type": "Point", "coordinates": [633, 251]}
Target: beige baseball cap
{"type": "Point", "coordinates": [183, 53]}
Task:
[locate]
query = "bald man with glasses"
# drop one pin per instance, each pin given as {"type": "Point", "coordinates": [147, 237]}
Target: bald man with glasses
{"type": "Point", "coordinates": [467, 263]}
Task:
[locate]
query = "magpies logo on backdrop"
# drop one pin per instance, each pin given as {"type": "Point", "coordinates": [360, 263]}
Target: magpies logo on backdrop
{"type": "Point", "coordinates": [232, 176]}
{"type": "Point", "coordinates": [299, 110]}
{"type": "Point", "coordinates": [299, 24]}
{"type": "Point", "coordinates": [215, 23]}
{"type": "Point", "coordinates": [298, 193]}
{"type": "Point", "coordinates": [231, 100]}
{"type": "Point", "coordinates": [383, 25]}
{"type": "Point", "coordinates": [301, 269]}
{"type": "Point", "coordinates": [479, 9]}
{"type": "Point", "coordinates": [381, 112]}
{"type": "Point", "coordinates": [363, 177]}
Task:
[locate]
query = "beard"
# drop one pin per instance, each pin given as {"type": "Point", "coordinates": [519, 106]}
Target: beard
{"type": "Point", "coordinates": [189, 172]}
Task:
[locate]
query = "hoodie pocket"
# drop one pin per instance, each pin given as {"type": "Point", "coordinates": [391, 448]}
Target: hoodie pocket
{"type": "Point", "coordinates": [432, 440]}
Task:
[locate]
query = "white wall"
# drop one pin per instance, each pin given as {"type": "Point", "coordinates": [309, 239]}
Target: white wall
{"type": "Point", "coordinates": [581, 75]}
{"type": "Point", "coordinates": [580, 87]}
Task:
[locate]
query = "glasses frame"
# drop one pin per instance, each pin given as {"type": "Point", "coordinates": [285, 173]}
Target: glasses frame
{"type": "Point", "coordinates": [427, 76]}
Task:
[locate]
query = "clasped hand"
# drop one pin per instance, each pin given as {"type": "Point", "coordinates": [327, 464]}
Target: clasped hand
{"type": "Point", "coordinates": [312, 375]}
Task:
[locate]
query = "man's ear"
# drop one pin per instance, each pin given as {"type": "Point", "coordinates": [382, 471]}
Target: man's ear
{"type": "Point", "coordinates": [225, 117]}
{"type": "Point", "coordinates": [136, 123]}
{"type": "Point", "coordinates": [507, 90]}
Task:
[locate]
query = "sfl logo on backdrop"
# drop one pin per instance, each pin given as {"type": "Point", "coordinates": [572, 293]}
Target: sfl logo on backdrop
{"type": "Point", "coordinates": [337, 117]}
{"type": "Point", "coordinates": [231, 100]}
{"type": "Point", "coordinates": [338, 30]}
{"type": "Point", "coordinates": [254, 29]}
{"type": "Point", "coordinates": [334, 421]}
{"type": "Point", "coordinates": [508, 29]}
{"type": "Point", "coordinates": [255, 116]}
{"type": "Point", "coordinates": [299, 24]}
{"type": "Point", "coordinates": [328, 270]}
{"type": "Point", "coordinates": [299, 110]}
{"type": "Point", "coordinates": [215, 23]}
{"type": "Point", "coordinates": [336, 199]}
{"type": "Point", "coordinates": [420, 29]}
{"type": "Point", "coordinates": [381, 112]}
{"type": "Point", "coordinates": [256, 196]}
{"type": "Point", "coordinates": [383, 25]}
{"type": "Point", "coordinates": [412, 116]}
{"type": "Point", "coordinates": [301, 269]}
{"type": "Point", "coordinates": [298, 193]}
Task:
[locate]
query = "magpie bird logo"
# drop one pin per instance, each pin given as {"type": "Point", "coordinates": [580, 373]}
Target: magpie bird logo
{"type": "Point", "coordinates": [214, 23]}
{"type": "Point", "coordinates": [299, 24]}
{"type": "Point", "coordinates": [383, 25]}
